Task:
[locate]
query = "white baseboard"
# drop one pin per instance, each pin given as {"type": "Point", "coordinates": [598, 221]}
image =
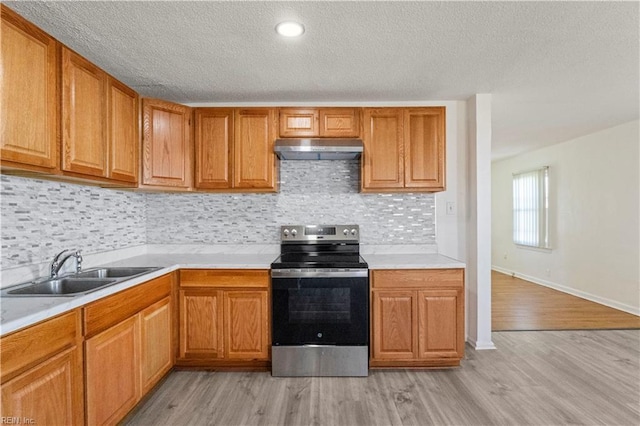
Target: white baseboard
{"type": "Point", "coordinates": [481, 346]}
{"type": "Point", "coordinates": [572, 291]}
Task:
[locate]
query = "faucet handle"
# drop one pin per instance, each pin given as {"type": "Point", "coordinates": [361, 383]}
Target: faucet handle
{"type": "Point", "coordinates": [79, 260]}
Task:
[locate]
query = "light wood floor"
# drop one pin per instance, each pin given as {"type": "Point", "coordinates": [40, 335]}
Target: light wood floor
{"type": "Point", "coordinates": [534, 378]}
{"type": "Point", "coordinates": [517, 304]}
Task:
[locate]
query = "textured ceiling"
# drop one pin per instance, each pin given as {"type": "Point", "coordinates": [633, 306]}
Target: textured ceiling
{"type": "Point", "coordinates": [557, 70]}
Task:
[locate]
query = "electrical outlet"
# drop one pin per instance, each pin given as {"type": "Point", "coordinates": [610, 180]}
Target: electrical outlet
{"type": "Point", "coordinates": [505, 256]}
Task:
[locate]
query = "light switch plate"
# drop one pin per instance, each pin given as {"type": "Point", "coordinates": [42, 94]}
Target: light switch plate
{"type": "Point", "coordinates": [451, 208]}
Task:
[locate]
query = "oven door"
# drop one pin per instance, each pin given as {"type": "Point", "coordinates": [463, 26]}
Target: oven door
{"type": "Point", "coordinates": [320, 307]}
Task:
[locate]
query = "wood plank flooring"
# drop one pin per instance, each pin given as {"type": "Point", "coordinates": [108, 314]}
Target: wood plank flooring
{"type": "Point", "coordinates": [517, 304]}
{"type": "Point", "coordinates": [534, 378]}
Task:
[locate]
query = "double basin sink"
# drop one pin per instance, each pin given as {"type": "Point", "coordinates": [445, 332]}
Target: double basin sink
{"type": "Point", "coordinates": [76, 284]}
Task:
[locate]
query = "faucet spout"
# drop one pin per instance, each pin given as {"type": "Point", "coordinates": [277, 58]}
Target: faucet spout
{"type": "Point", "coordinates": [60, 259]}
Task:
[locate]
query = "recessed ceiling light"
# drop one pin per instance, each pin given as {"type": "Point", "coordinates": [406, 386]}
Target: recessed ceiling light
{"type": "Point", "coordinates": [290, 29]}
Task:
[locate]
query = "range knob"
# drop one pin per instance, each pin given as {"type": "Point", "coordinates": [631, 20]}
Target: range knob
{"type": "Point", "coordinates": [285, 232]}
{"type": "Point", "coordinates": [294, 232]}
{"type": "Point", "coordinates": [353, 232]}
{"type": "Point", "coordinates": [345, 232]}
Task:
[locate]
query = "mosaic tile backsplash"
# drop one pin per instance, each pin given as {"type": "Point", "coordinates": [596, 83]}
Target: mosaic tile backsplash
{"type": "Point", "coordinates": [40, 218]}
{"type": "Point", "coordinates": [311, 192]}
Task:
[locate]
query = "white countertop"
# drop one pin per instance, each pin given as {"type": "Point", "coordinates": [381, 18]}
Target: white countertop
{"type": "Point", "coordinates": [20, 312]}
{"type": "Point", "coordinates": [411, 261]}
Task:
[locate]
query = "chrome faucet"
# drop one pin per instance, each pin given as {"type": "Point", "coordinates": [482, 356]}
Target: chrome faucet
{"type": "Point", "coordinates": [59, 260]}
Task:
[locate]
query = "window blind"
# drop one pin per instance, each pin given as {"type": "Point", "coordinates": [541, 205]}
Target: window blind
{"type": "Point", "coordinates": [531, 208]}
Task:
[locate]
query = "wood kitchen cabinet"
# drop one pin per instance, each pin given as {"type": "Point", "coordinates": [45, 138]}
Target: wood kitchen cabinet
{"type": "Point", "coordinates": [42, 376]}
{"type": "Point", "coordinates": [63, 113]}
{"type": "Point", "coordinates": [417, 318]}
{"type": "Point", "coordinates": [213, 148]}
{"type": "Point", "coordinates": [29, 96]}
{"type": "Point", "coordinates": [156, 345]}
{"type": "Point", "coordinates": [382, 159]}
{"type": "Point", "coordinates": [113, 378]}
{"type": "Point", "coordinates": [128, 348]}
{"type": "Point", "coordinates": [319, 122]}
{"type": "Point", "coordinates": [246, 324]}
{"type": "Point", "coordinates": [254, 162]}
{"type": "Point", "coordinates": [166, 144]}
{"type": "Point", "coordinates": [234, 149]}
{"type": "Point", "coordinates": [201, 324]}
{"type": "Point", "coordinates": [84, 139]}
{"type": "Point", "coordinates": [100, 123]}
{"type": "Point", "coordinates": [404, 149]}
{"type": "Point", "coordinates": [123, 138]}
{"type": "Point", "coordinates": [224, 318]}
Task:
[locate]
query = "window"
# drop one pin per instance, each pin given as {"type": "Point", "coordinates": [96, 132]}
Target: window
{"type": "Point", "coordinates": [531, 208]}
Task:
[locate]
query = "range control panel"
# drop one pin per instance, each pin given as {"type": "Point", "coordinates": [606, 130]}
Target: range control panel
{"type": "Point", "coordinates": [302, 233]}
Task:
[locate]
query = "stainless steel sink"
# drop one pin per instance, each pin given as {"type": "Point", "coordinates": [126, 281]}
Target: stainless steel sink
{"type": "Point", "coordinates": [61, 287]}
{"type": "Point", "coordinates": [113, 272]}
{"type": "Point", "coordinates": [76, 284]}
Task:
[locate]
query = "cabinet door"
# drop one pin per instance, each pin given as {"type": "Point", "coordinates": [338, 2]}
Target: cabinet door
{"type": "Point", "coordinates": [166, 144]}
{"type": "Point", "coordinates": [49, 394]}
{"type": "Point", "coordinates": [254, 160]}
{"type": "Point", "coordinates": [84, 141]}
{"type": "Point", "coordinates": [339, 122]}
{"type": "Point", "coordinates": [29, 95]}
{"type": "Point", "coordinates": [394, 325]}
{"type": "Point", "coordinates": [382, 163]}
{"type": "Point", "coordinates": [155, 343]}
{"type": "Point", "coordinates": [441, 325]}
{"type": "Point", "coordinates": [201, 322]}
{"type": "Point", "coordinates": [298, 122]}
{"type": "Point", "coordinates": [424, 148]}
{"type": "Point", "coordinates": [122, 130]}
{"type": "Point", "coordinates": [246, 324]}
{"type": "Point", "coordinates": [213, 147]}
{"type": "Point", "coordinates": [113, 372]}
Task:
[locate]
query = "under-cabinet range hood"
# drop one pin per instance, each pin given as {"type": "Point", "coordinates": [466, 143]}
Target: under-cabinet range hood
{"type": "Point", "coordinates": [318, 149]}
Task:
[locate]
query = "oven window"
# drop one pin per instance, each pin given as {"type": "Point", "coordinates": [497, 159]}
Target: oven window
{"type": "Point", "coordinates": [319, 305]}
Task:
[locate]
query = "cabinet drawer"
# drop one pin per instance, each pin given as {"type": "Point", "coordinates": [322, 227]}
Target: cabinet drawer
{"type": "Point", "coordinates": [25, 348]}
{"type": "Point", "coordinates": [104, 313]}
{"type": "Point", "coordinates": [224, 278]}
{"type": "Point", "coordinates": [417, 278]}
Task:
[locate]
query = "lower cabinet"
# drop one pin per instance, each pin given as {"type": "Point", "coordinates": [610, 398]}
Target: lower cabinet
{"type": "Point", "coordinates": [112, 365]}
{"type": "Point", "coordinates": [42, 373]}
{"type": "Point", "coordinates": [417, 318]}
{"type": "Point", "coordinates": [128, 348]}
{"type": "Point", "coordinates": [156, 349]}
{"type": "Point", "coordinates": [224, 318]}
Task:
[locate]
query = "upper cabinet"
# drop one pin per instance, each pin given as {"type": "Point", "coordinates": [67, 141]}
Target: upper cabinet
{"type": "Point", "coordinates": [84, 139]}
{"type": "Point", "coordinates": [253, 156]}
{"type": "Point", "coordinates": [63, 116]}
{"type": "Point", "coordinates": [382, 162]}
{"type": "Point", "coordinates": [213, 147]}
{"type": "Point", "coordinates": [404, 150]}
{"type": "Point", "coordinates": [61, 113]}
{"type": "Point", "coordinates": [29, 96]}
{"type": "Point", "coordinates": [122, 132]}
{"type": "Point", "coordinates": [319, 122]}
{"type": "Point", "coordinates": [424, 148]}
{"type": "Point", "coordinates": [99, 122]}
{"type": "Point", "coordinates": [234, 149]}
{"type": "Point", "coordinates": [166, 144]}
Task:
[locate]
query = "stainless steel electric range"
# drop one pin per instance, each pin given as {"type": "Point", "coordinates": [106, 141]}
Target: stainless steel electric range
{"type": "Point", "coordinates": [320, 303]}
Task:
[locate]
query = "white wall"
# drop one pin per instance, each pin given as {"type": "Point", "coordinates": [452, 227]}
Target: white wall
{"type": "Point", "coordinates": [594, 218]}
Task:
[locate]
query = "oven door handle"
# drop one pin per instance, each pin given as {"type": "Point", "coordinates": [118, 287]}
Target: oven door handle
{"type": "Point", "coordinates": [319, 273]}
